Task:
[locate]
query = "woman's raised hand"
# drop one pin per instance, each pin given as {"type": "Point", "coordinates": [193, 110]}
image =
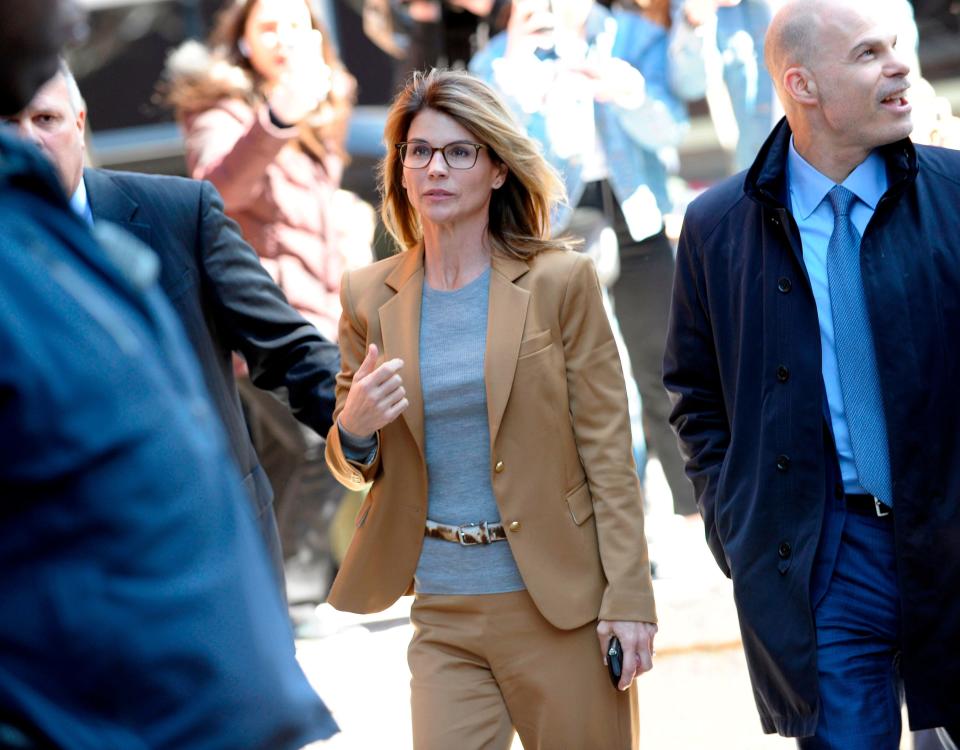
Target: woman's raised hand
{"type": "Point", "coordinates": [305, 81]}
{"type": "Point", "coordinates": [376, 396]}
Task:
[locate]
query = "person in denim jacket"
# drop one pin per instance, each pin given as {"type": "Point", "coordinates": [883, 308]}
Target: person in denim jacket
{"type": "Point", "coordinates": [595, 87]}
{"type": "Point", "coordinates": [725, 38]}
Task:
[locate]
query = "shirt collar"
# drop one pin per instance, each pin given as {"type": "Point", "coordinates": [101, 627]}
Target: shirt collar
{"type": "Point", "coordinates": [809, 187]}
{"type": "Point", "coordinates": [80, 204]}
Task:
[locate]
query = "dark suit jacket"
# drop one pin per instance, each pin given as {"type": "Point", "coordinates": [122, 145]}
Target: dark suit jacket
{"type": "Point", "coordinates": [137, 609]}
{"type": "Point", "coordinates": [227, 302]}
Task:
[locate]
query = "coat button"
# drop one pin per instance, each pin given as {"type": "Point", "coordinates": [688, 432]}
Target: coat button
{"type": "Point", "coordinates": [784, 285]}
{"type": "Point", "coordinates": [783, 463]}
{"type": "Point", "coordinates": [784, 550]}
{"type": "Point", "coordinates": [498, 467]}
{"type": "Point", "coordinates": [514, 526]}
{"type": "Point", "coordinates": [783, 374]}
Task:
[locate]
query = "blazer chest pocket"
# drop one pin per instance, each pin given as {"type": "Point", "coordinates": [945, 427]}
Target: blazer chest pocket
{"type": "Point", "coordinates": [580, 503]}
{"type": "Point", "coordinates": [535, 344]}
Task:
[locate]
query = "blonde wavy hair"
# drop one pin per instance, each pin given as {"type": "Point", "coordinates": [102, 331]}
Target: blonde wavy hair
{"type": "Point", "coordinates": [519, 220]}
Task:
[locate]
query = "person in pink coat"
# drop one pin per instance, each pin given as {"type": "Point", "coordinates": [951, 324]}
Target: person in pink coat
{"type": "Point", "coordinates": [264, 107]}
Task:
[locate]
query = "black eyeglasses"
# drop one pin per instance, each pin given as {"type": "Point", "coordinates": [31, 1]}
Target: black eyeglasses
{"type": "Point", "coordinates": [457, 155]}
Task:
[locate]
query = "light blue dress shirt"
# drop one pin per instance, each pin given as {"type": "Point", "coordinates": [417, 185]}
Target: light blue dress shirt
{"type": "Point", "coordinates": [814, 216]}
{"type": "Point", "coordinates": [80, 204]}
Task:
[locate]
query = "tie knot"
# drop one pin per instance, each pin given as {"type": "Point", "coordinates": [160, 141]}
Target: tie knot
{"type": "Point", "coordinates": [841, 199]}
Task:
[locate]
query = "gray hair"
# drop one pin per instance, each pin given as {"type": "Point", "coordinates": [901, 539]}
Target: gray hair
{"type": "Point", "coordinates": [77, 102]}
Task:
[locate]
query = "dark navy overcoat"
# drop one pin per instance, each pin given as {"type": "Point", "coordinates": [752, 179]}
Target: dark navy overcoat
{"type": "Point", "coordinates": [743, 367]}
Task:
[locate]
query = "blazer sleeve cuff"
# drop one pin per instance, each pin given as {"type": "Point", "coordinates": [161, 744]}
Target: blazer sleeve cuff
{"type": "Point", "coordinates": [351, 474]}
{"type": "Point", "coordinates": [636, 606]}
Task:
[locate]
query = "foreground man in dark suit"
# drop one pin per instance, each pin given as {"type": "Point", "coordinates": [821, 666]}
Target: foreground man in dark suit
{"type": "Point", "coordinates": [813, 363]}
{"type": "Point", "coordinates": [224, 298]}
{"type": "Point", "coordinates": [139, 610]}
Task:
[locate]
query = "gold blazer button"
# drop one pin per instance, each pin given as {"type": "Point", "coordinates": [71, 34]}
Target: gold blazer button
{"type": "Point", "coordinates": [514, 526]}
{"type": "Point", "coordinates": [498, 467]}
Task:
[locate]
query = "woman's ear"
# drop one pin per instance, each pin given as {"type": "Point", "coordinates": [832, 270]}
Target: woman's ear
{"type": "Point", "coordinates": [243, 47]}
{"type": "Point", "coordinates": [501, 176]}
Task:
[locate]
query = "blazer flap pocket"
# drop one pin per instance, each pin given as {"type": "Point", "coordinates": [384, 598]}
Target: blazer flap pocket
{"type": "Point", "coordinates": [580, 503]}
{"type": "Point", "coordinates": [535, 343]}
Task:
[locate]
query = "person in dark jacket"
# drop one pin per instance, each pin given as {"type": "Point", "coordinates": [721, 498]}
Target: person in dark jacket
{"type": "Point", "coordinates": [138, 609]}
{"type": "Point", "coordinates": [814, 383]}
{"type": "Point", "coordinates": [224, 298]}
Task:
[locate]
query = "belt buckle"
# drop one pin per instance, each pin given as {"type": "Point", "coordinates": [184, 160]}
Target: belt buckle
{"type": "Point", "coordinates": [880, 512]}
{"type": "Point", "coordinates": [479, 528]}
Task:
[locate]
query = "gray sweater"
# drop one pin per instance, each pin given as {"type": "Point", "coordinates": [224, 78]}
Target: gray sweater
{"type": "Point", "coordinates": [453, 336]}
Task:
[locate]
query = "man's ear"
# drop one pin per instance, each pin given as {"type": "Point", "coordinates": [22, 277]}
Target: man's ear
{"type": "Point", "coordinates": [800, 85]}
{"type": "Point", "coordinates": [82, 122]}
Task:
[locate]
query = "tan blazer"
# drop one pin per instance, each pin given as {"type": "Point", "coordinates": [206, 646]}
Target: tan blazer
{"type": "Point", "coordinates": [561, 461]}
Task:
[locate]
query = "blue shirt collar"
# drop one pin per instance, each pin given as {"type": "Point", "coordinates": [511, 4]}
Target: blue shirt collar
{"type": "Point", "coordinates": [809, 187]}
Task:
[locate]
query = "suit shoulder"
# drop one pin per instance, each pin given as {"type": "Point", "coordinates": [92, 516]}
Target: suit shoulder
{"type": "Point", "coordinates": [374, 274]}
{"type": "Point", "coordinates": [943, 162]}
{"type": "Point", "coordinates": [713, 205]}
{"type": "Point", "coordinates": [167, 186]}
{"type": "Point", "coordinates": [559, 263]}
{"type": "Point", "coordinates": [717, 200]}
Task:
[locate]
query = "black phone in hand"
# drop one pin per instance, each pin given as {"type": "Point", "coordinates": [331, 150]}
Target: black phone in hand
{"type": "Point", "coordinates": [615, 660]}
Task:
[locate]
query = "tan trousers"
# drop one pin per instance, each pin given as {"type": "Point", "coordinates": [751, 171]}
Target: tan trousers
{"type": "Point", "coordinates": [483, 665]}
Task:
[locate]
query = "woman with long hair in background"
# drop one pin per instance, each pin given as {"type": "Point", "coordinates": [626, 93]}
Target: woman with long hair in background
{"type": "Point", "coordinates": [264, 107]}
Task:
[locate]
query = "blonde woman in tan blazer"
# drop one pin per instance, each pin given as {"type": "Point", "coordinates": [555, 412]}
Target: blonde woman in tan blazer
{"type": "Point", "coordinates": [482, 396]}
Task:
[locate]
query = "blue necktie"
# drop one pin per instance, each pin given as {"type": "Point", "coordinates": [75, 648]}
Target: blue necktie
{"type": "Point", "coordinates": [859, 381]}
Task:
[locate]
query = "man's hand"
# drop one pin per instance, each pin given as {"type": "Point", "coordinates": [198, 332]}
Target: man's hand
{"type": "Point", "coordinates": [636, 639]}
{"type": "Point", "coordinates": [376, 396]}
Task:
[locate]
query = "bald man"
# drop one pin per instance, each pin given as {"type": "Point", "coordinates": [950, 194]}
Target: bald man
{"type": "Point", "coordinates": [812, 362]}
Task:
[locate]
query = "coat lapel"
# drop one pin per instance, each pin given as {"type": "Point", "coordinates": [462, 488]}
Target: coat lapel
{"type": "Point", "coordinates": [505, 322]}
{"type": "Point", "coordinates": [400, 328]}
{"type": "Point", "coordinates": [109, 203]}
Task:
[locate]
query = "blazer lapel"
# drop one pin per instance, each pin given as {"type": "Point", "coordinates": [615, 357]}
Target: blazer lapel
{"type": "Point", "coordinates": [505, 322]}
{"type": "Point", "coordinates": [400, 328]}
{"type": "Point", "coordinates": [108, 202]}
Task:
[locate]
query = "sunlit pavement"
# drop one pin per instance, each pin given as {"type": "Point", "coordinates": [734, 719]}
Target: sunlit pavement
{"type": "Point", "coordinates": [698, 695]}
